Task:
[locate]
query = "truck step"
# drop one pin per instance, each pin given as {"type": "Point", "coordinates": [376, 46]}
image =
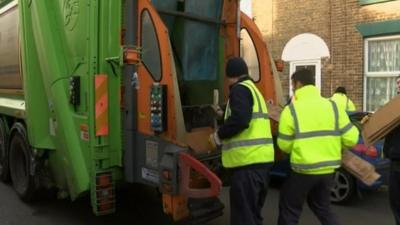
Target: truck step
{"type": "Point", "coordinates": [204, 210]}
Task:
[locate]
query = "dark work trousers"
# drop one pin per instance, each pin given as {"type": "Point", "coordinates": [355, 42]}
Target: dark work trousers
{"type": "Point", "coordinates": [249, 187]}
{"type": "Point", "coordinates": [300, 187]}
{"type": "Point", "coordinates": [394, 190]}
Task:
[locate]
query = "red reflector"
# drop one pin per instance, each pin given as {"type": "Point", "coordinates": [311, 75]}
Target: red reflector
{"type": "Point", "coordinates": [360, 148]}
{"type": "Point", "coordinates": [104, 181]}
{"type": "Point", "coordinates": [372, 152]}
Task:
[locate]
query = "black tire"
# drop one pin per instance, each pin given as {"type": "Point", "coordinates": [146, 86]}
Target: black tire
{"type": "Point", "coordinates": [343, 188]}
{"type": "Point", "coordinates": [4, 163]}
{"type": "Point", "coordinates": [20, 163]}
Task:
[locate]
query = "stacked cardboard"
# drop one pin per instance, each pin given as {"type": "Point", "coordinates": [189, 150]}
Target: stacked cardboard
{"type": "Point", "coordinates": [360, 168]}
{"type": "Point", "coordinates": [382, 122]}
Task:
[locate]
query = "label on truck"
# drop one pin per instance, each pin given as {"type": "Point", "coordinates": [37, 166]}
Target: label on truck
{"type": "Point", "coordinates": [84, 132]}
{"type": "Point", "coordinates": [150, 175]}
{"type": "Point", "coordinates": [152, 154]}
{"type": "Point", "coordinates": [52, 126]}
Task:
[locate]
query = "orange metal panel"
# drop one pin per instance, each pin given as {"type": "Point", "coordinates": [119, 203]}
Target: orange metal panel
{"type": "Point", "coordinates": [266, 83]}
{"type": "Point", "coordinates": [176, 206]}
{"type": "Point", "coordinates": [131, 56]}
{"type": "Point", "coordinates": [146, 80]}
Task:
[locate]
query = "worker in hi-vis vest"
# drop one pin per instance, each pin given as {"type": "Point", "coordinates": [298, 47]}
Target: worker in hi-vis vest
{"type": "Point", "coordinates": [247, 146]}
{"type": "Point", "coordinates": [342, 100]}
{"type": "Point", "coordinates": [313, 130]}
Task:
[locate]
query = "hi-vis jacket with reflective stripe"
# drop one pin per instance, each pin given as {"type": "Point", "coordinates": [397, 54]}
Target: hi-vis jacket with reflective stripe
{"type": "Point", "coordinates": [253, 145]}
{"type": "Point", "coordinates": [343, 102]}
{"type": "Point", "coordinates": [314, 131]}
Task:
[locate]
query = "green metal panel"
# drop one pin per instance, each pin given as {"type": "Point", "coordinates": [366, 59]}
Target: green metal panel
{"type": "Point", "coordinates": [379, 28]}
{"type": "Point", "coordinates": [107, 150]}
{"type": "Point", "coordinates": [369, 2]}
{"type": "Point", "coordinates": [37, 117]}
{"type": "Point", "coordinates": [109, 58]}
{"type": "Point", "coordinates": [61, 39]}
{"type": "Point", "coordinates": [46, 84]}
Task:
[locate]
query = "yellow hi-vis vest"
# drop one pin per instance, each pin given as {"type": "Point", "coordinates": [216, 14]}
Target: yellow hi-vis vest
{"type": "Point", "coordinates": [343, 102]}
{"type": "Point", "coordinates": [313, 131]}
{"type": "Point", "coordinates": [253, 145]}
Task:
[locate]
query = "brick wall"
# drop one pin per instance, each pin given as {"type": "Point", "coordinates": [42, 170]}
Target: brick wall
{"type": "Point", "coordinates": [332, 20]}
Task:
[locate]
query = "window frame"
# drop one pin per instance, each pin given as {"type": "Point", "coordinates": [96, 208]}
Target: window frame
{"type": "Point", "coordinates": [367, 74]}
{"type": "Point", "coordinates": [157, 43]}
{"type": "Point", "coordinates": [256, 51]}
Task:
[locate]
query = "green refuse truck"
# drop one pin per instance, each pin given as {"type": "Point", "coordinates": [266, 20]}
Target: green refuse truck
{"type": "Point", "coordinates": [94, 93]}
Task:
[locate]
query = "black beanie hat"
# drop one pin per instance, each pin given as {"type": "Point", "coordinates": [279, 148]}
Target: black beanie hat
{"type": "Point", "coordinates": [303, 76]}
{"type": "Point", "coordinates": [341, 90]}
{"type": "Point", "coordinates": [236, 67]}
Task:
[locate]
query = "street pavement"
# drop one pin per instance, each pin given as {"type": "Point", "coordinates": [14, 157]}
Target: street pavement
{"type": "Point", "coordinates": [138, 205]}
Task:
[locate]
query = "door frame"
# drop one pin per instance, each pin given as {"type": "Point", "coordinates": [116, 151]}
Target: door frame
{"type": "Point", "coordinates": [313, 62]}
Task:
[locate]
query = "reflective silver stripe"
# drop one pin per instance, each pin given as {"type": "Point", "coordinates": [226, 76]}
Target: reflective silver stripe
{"type": "Point", "coordinates": [295, 119]}
{"type": "Point", "coordinates": [285, 137]}
{"type": "Point", "coordinates": [319, 133]}
{"type": "Point", "coordinates": [336, 112]}
{"type": "Point", "coordinates": [347, 104]}
{"type": "Point", "coordinates": [346, 128]}
{"type": "Point", "coordinates": [300, 166]}
{"type": "Point", "coordinates": [259, 115]}
{"type": "Point", "coordinates": [246, 143]}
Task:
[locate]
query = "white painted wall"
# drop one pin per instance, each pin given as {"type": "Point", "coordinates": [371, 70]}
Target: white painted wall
{"type": "Point", "coordinates": [305, 46]}
{"type": "Point", "coordinates": [246, 7]}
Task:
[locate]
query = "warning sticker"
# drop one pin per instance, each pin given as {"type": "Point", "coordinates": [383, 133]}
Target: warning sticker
{"type": "Point", "coordinates": [84, 132]}
{"type": "Point", "coordinates": [152, 154]}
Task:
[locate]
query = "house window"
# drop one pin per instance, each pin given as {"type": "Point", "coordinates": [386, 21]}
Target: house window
{"type": "Point", "coordinates": [382, 65]}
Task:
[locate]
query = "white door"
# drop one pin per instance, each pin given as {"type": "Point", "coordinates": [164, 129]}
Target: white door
{"type": "Point", "coordinates": [313, 65]}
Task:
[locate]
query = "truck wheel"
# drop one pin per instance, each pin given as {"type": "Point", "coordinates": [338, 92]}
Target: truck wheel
{"type": "Point", "coordinates": [20, 163]}
{"type": "Point", "coordinates": [343, 187]}
{"type": "Point", "coordinates": [4, 169]}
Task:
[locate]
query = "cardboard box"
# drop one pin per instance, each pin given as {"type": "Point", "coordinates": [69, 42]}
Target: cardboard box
{"type": "Point", "coordinates": [360, 168]}
{"type": "Point", "coordinates": [197, 140]}
{"type": "Point", "coordinates": [382, 122]}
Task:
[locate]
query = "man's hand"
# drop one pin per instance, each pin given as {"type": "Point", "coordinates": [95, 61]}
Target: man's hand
{"type": "Point", "coordinates": [215, 141]}
{"type": "Point", "coordinates": [365, 119]}
{"type": "Point", "coordinates": [218, 111]}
